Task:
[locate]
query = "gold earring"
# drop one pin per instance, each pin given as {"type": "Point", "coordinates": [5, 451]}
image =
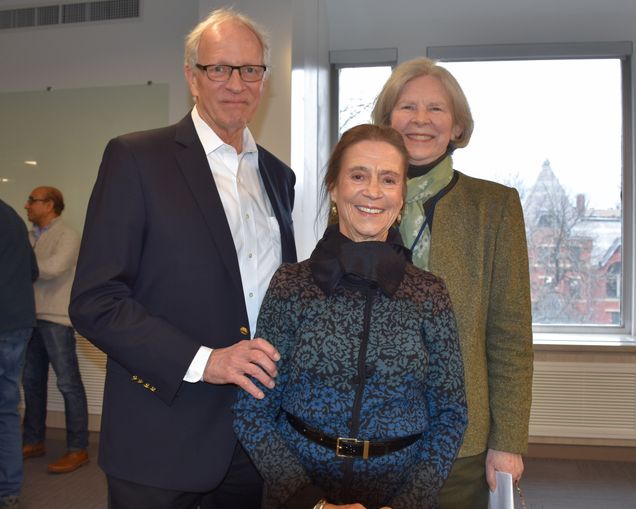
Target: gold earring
{"type": "Point", "coordinates": [399, 218]}
{"type": "Point", "coordinates": [333, 213]}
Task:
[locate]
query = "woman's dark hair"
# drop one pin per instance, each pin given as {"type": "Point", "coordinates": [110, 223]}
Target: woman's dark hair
{"type": "Point", "coordinates": [357, 134]}
{"type": "Point", "coordinates": [363, 132]}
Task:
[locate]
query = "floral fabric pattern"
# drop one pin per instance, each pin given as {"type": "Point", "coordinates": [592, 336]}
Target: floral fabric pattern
{"type": "Point", "coordinates": [357, 363]}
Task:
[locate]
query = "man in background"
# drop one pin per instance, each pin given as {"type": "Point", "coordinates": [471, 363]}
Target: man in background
{"type": "Point", "coordinates": [184, 229]}
{"type": "Point", "coordinates": [56, 246]}
{"type": "Point", "coordinates": [18, 270]}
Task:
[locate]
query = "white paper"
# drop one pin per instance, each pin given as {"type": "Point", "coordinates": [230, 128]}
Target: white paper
{"type": "Point", "coordinates": [502, 497]}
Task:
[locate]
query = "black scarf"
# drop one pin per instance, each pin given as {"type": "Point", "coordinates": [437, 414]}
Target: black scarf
{"type": "Point", "coordinates": [337, 258]}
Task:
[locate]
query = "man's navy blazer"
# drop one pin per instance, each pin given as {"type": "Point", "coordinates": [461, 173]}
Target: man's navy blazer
{"type": "Point", "coordinates": [158, 277]}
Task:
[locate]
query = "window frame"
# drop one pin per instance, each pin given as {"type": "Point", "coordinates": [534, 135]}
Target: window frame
{"type": "Point", "coordinates": [623, 51]}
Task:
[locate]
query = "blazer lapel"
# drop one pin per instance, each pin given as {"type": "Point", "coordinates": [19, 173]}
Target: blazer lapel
{"type": "Point", "coordinates": [196, 170]}
{"type": "Point", "coordinates": [273, 192]}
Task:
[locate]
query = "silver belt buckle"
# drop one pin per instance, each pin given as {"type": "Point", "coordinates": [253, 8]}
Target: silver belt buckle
{"type": "Point", "coordinates": [342, 443]}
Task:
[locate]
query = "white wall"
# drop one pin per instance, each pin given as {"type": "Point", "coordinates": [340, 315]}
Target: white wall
{"type": "Point", "coordinates": [125, 52]}
{"type": "Point", "coordinates": [412, 25]}
{"type": "Point", "coordinates": [135, 51]}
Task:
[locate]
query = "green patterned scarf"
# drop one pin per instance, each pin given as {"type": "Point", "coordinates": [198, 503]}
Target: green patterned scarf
{"type": "Point", "coordinates": [419, 190]}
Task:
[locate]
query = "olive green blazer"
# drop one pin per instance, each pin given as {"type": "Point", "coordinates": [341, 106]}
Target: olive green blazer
{"type": "Point", "coordinates": [479, 248]}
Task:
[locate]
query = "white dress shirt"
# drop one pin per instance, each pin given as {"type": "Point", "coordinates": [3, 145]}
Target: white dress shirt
{"type": "Point", "coordinates": [249, 213]}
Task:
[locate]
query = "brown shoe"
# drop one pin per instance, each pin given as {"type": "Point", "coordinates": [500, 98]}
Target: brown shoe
{"type": "Point", "coordinates": [72, 460]}
{"type": "Point", "coordinates": [33, 450]}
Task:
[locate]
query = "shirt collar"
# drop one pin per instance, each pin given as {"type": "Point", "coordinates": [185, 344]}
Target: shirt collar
{"type": "Point", "coordinates": [37, 230]}
{"type": "Point", "coordinates": [211, 141]}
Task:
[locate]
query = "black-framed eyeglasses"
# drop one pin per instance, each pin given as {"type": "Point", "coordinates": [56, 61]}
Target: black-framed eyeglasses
{"type": "Point", "coordinates": [222, 72]}
{"type": "Point", "coordinates": [31, 200]}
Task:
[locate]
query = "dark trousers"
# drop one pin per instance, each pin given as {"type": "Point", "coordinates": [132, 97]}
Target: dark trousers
{"type": "Point", "coordinates": [241, 488]}
{"type": "Point", "coordinates": [466, 485]}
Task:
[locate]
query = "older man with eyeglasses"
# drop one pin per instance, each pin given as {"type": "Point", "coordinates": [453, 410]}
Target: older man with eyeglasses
{"type": "Point", "coordinates": [184, 229]}
{"type": "Point", "coordinates": [56, 246]}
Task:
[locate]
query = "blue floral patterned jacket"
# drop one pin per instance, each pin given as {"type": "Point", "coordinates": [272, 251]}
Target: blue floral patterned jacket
{"type": "Point", "coordinates": [369, 349]}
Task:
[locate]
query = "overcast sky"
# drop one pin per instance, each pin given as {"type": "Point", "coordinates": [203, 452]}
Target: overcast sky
{"type": "Point", "coordinates": [568, 112]}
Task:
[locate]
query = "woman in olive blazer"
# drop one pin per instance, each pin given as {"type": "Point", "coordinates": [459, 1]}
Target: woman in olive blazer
{"type": "Point", "coordinates": [471, 233]}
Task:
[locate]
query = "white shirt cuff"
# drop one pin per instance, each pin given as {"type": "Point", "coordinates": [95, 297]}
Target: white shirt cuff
{"type": "Point", "coordinates": [197, 366]}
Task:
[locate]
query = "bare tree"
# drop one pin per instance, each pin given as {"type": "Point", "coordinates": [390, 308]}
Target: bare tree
{"type": "Point", "coordinates": [559, 255]}
{"type": "Point", "coordinates": [514, 179]}
{"type": "Point", "coordinates": [354, 113]}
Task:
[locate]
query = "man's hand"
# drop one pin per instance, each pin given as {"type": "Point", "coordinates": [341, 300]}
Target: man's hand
{"type": "Point", "coordinates": [503, 462]}
{"type": "Point", "coordinates": [233, 364]}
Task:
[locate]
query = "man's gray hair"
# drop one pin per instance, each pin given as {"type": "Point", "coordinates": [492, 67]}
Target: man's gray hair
{"type": "Point", "coordinates": [216, 18]}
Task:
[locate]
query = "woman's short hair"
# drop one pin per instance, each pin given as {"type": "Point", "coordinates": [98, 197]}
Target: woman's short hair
{"type": "Point", "coordinates": [357, 134]}
{"type": "Point", "coordinates": [415, 68]}
{"type": "Point", "coordinates": [216, 18]}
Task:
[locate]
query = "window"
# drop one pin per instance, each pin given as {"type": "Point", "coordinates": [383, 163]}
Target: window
{"type": "Point", "coordinates": [554, 122]}
{"type": "Point", "coordinates": [357, 76]}
{"type": "Point", "coordinates": [357, 91]}
{"type": "Point", "coordinates": [613, 281]}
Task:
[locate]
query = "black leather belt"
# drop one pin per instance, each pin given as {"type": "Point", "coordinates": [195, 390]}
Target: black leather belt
{"type": "Point", "coordinates": [352, 447]}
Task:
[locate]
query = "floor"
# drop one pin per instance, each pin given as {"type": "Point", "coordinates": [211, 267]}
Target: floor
{"type": "Point", "coordinates": [576, 484]}
{"type": "Point", "coordinates": [547, 484]}
{"type": "Point", "coordinates": [83, 489]}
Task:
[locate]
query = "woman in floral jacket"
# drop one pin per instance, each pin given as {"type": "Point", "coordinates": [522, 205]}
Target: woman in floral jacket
{"type": "Point", "coordinates": [369, 405]}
